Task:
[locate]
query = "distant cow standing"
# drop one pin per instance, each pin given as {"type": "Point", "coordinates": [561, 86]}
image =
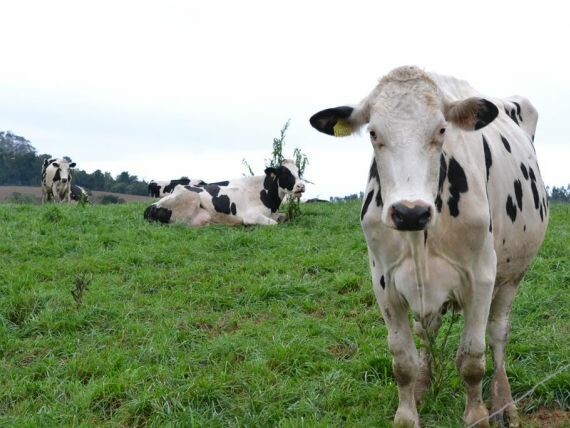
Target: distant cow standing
{"type": "Point", "coordinates": [158, 189]}
{"type": "Point", "coordinates": [56, 180]}
{"type": "Point", "coordinates": [246, 200]}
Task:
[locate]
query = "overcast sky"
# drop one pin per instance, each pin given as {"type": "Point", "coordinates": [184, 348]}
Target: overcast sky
{"type": "Point", "coordinates": [164, 89]}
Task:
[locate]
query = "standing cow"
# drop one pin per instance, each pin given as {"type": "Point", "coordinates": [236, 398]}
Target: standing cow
{"type": "Point", "coordinates": [246, 200]}
{"type": "Point", "coordinates": [455, 210]}
{"type": "Point", "coordinates": [158, 189]}
{"type": "Point", "coordinates": [56, 180]}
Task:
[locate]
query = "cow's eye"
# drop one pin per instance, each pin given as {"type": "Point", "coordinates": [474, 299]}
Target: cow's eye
{"type": "Point", "coordinates": [373, 135]}
{"type": "Point", "coordinates": [442, 131]}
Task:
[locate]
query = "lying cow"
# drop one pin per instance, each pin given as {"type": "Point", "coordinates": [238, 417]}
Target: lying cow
{"type": "Point", "coordinates": [56, 180]}
{"type": "Point", "coordinates": [455, 211]}
{"type": "Point", "coordinates": [246, 200]}
{"type": "Point", "coordinates": [158, 189]}
{"type": "Point", "coordinates": [78, 193]}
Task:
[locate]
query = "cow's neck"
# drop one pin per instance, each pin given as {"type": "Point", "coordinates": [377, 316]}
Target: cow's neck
{"type": "Point", "coordinates": [270, 195]}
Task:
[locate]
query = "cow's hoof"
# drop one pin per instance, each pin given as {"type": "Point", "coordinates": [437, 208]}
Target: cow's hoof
{"type": "Point", "coordinates": [505, 418]}
{"type": "Point", "coordinates": [477, 417]}
{"type": "Point", "coordinates": [406, 419]}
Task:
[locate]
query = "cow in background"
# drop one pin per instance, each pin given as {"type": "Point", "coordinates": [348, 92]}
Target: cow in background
{"type": "Point", "coordinates": [56, 180]}
{"type": "Point", "coordinates": [246, 200]}
{"type": "Point", "coordinates": [158, 189]}
{"type": "Point", "coordinates": [79, 194]}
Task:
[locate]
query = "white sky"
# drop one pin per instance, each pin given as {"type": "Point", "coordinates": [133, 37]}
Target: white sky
{"type": "Point", "coordinates": [164, 89]}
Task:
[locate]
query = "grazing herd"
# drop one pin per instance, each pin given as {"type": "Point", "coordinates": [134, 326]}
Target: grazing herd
{"type": "Point", "coordinates": [454, 212]}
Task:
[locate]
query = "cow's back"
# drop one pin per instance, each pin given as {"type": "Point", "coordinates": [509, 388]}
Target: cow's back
{"type": "Point", "coordinates": [503, 176]}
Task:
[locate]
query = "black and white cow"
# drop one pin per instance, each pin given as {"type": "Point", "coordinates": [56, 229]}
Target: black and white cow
{"type": "Point", "coordinates": [455, 210]}
{"type": "Point", "coordinates": [246, 200]}
{"type": "Point", "coordinates": [56, 180]}
{"type": "Point", "coordinates": [157, 189]}
{"type": "Point", "coordinates": [79, 193]}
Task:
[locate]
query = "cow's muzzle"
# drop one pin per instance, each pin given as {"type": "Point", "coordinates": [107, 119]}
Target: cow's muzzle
{"type": "Point", "coordinates": [410, 216]}
{"type": "Point", "coordinates": [299, 189]}
{"type": "Point", "coordinates": [64, 180]}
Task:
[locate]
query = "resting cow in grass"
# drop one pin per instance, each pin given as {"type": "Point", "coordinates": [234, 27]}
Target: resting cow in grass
{"type": "Point", "coordinates": [454, 212]}
{"type": "Point", "coordinates": [246, 200]}
{"type": "Point", "coordinates": [158, 189]}
{"type": "Point", "coordinates": [56, 180]}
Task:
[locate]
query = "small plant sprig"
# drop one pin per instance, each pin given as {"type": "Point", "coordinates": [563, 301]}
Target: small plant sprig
{"type": "Point", "coordinates": [81, 282]}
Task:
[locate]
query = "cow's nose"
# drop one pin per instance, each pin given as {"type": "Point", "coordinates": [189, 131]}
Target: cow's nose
{"type": "Point", "coordinates": [64, 180]}
{"type": "Point", "coordinates": [410, 217]}
{"type": "Point", "coordinates": [300, 187]}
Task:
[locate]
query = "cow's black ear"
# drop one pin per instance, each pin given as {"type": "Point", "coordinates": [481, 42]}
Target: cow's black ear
{"type": "Point", "coordinates": [472, 113]}
{"type": "Point", "coordinates": [72, 165]}
{"type": "Point", "coordinates": [55, 164]}
{"type": "Point", "coordinates": [333, 121]}
{"type": "Point", "coordinates": [271, 171]}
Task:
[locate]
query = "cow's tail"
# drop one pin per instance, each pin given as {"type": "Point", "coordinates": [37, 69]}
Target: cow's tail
{"type": "Point", "coordinates": [158, 214]}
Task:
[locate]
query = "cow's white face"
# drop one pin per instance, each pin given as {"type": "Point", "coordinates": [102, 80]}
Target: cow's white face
{"type": "Point", "coordinates": [63, 172]}
{"type": "Point", "coordinates": [407, 133]}
{"type": "Point", "coordinates": [407, 117]}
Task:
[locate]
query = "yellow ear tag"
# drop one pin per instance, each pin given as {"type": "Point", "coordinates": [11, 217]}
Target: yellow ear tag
{"type": "Point", "coordinates": [342, 129]}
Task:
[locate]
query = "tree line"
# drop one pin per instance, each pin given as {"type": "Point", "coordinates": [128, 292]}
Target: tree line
{"type": "Point", "coordinates": [20, 165]}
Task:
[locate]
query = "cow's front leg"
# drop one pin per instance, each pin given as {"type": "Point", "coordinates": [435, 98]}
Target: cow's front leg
{"type": "Point", "coordinates": [258, 218]}
{"type": "Point", "coordinates": [404, 354]}
{"type": "Point", "coordinates": [471, 353]}
{"type": "Point", "coordinates": [427, 337]}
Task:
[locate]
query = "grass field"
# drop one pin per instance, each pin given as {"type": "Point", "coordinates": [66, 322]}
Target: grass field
{"type": "Point", "coordinates": [226, 326]}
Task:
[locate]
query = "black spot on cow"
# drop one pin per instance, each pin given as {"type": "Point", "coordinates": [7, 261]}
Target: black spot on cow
{"type": "Point", "coordinates": [511, 209]}
{"type": "Point", "coordinates": [270, 194]}
{"type": "Point", "coordinates": [524, 171]}
{"type": "Point", "coordinates": [519, 193]}
{"type": "Point", "coordinates": [506, 144]}
{"type": "Point", "coordinates": [541, 214]}
{"type": "Point", "coordinates": [233, 208]}
{"type": "Point", "coordinates": [219, 183]}
{"type": "Point", "coordinates": [194, 189]}
{"type": "Point", "coordinates": [373, 263]}
{"type": "Point", "coordinates": [512, 114]}
{"type": "Point", "coordinates": [366, 203]}
{"type": "Point", "coordinates": [374, 175]}
{"type": "Point", "coordinates": [504, 241]}
{"type": "Point", "coordinates": [490, 225]}
{"type": "Point", "coordinates": [524, 228]}
{"type": "Point", "coordinates": [488, 158]}
{"type": "Point", "coordinates": [531, 173]}
{"type": "Point", "coordinates": [169, 188]}
{"type": "Point", "coordinates": [222, 204]}
{"type": "Point", "coordinates": [517, 105]}
{"type": "Point", "coordinates": [442, 177]}
{"type": "Point", "coordinates": [508, 260]}
{"type": "Point", "coordinates": [535, 195]}
{"type": "Point", "coordinates": [212, 189]}
{"type": "Point", "coordinates": [457, 185]}
{"type": "Point", "coordinates": [159, 214]}
{"type": "Point", "coordinates": [57, 175]}
{"type": "Point", "coordinates": [285, 178]}
{"type": "Point", "coordinates": [544, 203]}
{"type": "Point", "coordinates": [382, 282]}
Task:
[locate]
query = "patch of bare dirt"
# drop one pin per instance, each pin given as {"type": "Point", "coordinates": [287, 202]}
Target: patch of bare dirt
{"type": "Point", "coordinates": [6, 193]}
{"type": "Point", "coordinates": [551, 418]}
